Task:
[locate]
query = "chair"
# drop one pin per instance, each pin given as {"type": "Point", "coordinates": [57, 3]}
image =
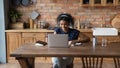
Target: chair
{"type": "Point", "coordinates": [117, 62]}
{"type": "Point", "coordinates": [92, 62]}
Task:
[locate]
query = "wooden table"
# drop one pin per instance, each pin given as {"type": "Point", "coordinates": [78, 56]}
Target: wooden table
{"type": "Point", "coordinates": [26, 54]}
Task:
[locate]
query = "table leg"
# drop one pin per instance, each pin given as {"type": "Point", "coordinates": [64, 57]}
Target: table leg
{"type": "Point", "coordinates": [26, 62]}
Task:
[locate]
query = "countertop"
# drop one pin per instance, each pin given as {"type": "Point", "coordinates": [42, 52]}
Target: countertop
{"type": "Point", "coordinates": [40, 30]}
{"type": "Point", "coordinates": [43, 30]}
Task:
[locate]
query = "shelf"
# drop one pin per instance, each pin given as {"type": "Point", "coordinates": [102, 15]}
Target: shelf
{"type": "Point", "coordinates": [99, 2]}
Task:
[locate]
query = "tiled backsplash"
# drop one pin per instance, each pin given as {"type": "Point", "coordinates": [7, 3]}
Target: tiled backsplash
{"type": "Point", "coordinates": [50, 9]}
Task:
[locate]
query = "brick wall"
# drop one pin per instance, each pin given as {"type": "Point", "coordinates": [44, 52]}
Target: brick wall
{"type": "Point", "coordinates": [49, 10]}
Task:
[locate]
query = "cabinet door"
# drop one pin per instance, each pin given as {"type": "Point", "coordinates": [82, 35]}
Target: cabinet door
{"type": "Point", "coordinates": [13, 42]}
{"type": "Point", "coordinates": [117, 2]}
{"type": "Point", "coordinates": [33, 37]}
{"type": "Point", "coordinates": [27, 40]}
{"type": "Point", "coordinates": [98, 2]}
{"type": "Point", "coordinates": [41, 36]}
{"type": "Point", "coordinates": [86, 2]}
{"type": "Point", "coordinates": [110, 2]}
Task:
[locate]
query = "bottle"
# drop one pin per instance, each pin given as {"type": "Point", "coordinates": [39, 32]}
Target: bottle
{"type": "Point", "coordinates": [31, 23]}
{"type": "Point", "coordinates": [35, 23]}
{"type": "Point", "coordinates": [38, 25]}
{"type": "Point", "coordinates": [94, 41]}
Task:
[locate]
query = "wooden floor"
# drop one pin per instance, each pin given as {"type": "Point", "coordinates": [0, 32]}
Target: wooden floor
{"type": "Point", "coordinates": [106, 64]}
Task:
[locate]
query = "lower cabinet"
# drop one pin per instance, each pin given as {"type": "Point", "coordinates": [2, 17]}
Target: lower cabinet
{"type": "Point", "coordinates": [15, 39]}
{"type": "Point", "coordinates": [13, 42]}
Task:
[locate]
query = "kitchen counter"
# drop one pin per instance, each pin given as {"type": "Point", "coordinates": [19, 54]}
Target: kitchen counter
{"type": "Point", "coordinates": [43, 30]}
{"type": "Point", "coordinates": [40, 30]}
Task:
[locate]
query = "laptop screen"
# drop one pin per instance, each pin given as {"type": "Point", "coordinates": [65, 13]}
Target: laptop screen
{"type": "Point", "coordinates": [58, 40]}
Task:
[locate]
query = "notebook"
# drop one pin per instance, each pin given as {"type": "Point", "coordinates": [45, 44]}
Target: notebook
{"type": "Point", "coordinates": [58, 41]}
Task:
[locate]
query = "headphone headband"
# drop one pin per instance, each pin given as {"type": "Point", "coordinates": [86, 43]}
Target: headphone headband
{"type": "Point", "coordinates": [63, 16]}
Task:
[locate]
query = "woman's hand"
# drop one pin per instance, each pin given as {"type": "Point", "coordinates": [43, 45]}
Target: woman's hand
{"type": "Point", "coordinates": [70, 43]}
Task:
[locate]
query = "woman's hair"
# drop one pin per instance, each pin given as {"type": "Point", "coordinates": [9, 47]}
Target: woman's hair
{"type": "Point", "coordinates": [66, 17]}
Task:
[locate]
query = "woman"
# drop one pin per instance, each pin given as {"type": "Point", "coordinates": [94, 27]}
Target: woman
{"type": "Point", "coordinates": [66, 21]}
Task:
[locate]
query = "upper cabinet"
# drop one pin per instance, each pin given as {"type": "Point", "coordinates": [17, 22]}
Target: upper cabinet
{"type": "Point", "coordinates": [110, 2]}
{"type": "Point", "coordinates": [99, 2]}
{"type": "Point", "coordinates": [117, 2]}
{"type": "Point", "coordinates": [86, 2]}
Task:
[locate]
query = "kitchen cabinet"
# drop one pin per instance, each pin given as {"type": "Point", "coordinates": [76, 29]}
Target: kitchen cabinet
{"type": "Point", "coordinates": [110, 2]}
{"type": "Point", "coordinates": [117, 2]}
{"type": "Point", "coordinates": [99, 2]}
{"type": "Point", "coordinates": [85, 2]}
{"type": "Point", "coordinates": [13, 42]}
{"type": "Point", "coordinates": [15, 38]}
{"type": "Point", "coordinates": [92, 2]}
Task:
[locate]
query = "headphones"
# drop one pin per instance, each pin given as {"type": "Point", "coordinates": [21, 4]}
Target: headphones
{"type": "Point", "coordinates": [67, 17]}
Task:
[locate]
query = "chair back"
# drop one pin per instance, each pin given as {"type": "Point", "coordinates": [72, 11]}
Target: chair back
{"type": "Point", "coordinates": [92, 62]}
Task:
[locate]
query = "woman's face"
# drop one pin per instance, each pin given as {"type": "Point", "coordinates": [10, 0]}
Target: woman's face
{"type": "Point", "coordinates": [63, 24]}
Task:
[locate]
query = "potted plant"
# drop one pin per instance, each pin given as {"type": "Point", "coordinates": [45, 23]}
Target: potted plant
{"type": "Point", "coordinates": [14, 15]}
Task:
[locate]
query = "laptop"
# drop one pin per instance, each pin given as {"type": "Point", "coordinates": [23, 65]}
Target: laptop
{"type": "Point", "coordinates": [58, 41]}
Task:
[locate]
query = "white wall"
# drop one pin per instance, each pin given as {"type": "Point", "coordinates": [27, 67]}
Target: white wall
{"type": "Point", "coordinates": [2, 33]}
